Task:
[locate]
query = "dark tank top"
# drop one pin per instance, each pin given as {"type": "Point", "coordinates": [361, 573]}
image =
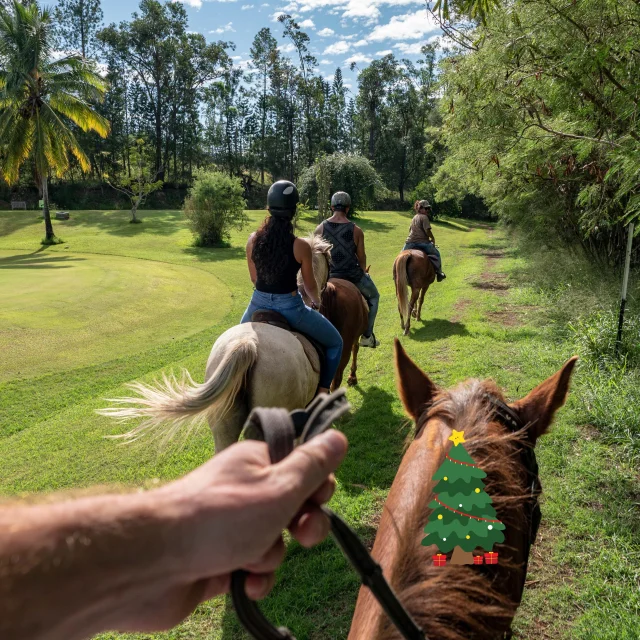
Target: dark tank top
{"type": "Point", "coordinates": [288, 280]}
{"type": "Point", "coordinates": [344, 253]}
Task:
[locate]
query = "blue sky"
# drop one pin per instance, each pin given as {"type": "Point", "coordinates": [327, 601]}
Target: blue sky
{"type": "Point", "coordinates": [341, 31]}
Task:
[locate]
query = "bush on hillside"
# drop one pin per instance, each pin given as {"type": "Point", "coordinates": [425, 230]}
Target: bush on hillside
{"type": "Point", "coordinates": [214, 206]}
{"type": "Point", "coordinates": [351, 173]}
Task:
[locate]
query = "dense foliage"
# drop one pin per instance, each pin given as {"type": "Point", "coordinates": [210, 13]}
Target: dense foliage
{"type": "Point", "coordinates": [214, 207]}
{"type": "Point", "coordinates": [345, 172]}
{"type": "Point", "coordinates": [540, 109]}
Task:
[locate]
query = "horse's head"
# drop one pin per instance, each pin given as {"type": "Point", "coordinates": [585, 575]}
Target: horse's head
{"type": "Point", "coordinates": [321, 251]}
{"type": "Point", "coordinates": [458, 601]}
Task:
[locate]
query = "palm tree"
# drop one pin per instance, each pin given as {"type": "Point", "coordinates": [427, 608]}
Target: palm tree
{"type": "Point", "coordinates": [41, 99]}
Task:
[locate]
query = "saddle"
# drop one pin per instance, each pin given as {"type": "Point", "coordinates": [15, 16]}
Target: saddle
{"type": "Point", "coordinates": [314, 351]}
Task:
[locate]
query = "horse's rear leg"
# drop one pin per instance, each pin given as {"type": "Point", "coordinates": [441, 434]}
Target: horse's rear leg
{"type": "Point", "coordinates": [422, 294]}
{"type": "Point", "coordinates": [226, 431]}
{"type": "Point", "coordinates": [412, 304]}
{"type": "Point", "coordinates": [344, 361]}
{"type": "Point", "coordinates": [353, 378]}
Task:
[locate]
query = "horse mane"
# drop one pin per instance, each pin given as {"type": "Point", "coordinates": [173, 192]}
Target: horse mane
{"type": "Point", "coordinates": [318, 244]}
{"type": "Point", "coordinates": [457, 602]}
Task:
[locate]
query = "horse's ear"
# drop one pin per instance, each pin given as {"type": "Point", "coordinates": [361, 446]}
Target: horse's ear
{"type": "Point", "coordinates": [538, 408]}
{"type": "Point", "coordinates": [414, 386]}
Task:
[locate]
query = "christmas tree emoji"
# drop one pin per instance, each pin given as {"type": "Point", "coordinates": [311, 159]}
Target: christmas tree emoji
{"type": "Point", "coordinates": [463, 517]}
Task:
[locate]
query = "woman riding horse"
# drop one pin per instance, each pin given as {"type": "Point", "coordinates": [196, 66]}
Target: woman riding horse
{"type": "Point", "coordinates": [275, 256]}
{"type": "Point", "coordinates": [421, 236]}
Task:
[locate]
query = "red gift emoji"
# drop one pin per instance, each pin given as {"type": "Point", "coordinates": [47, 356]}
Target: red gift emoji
{"type": "Point", "coordinates": [491, 558]}
{"type": "Point", "coordinates": [478, 560]}
{"type": "Point", "coordinates": [440, 560]}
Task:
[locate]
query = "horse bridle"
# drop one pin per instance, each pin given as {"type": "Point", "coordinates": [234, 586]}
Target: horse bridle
{"type": "Point", "coordinates": [280, 430]}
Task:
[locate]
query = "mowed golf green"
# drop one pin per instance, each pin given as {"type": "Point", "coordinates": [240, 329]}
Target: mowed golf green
{"type": "Point", "coordinates": [118, 302]}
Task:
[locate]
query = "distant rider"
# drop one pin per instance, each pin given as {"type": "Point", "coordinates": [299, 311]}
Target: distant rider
{"type": "Point", "coordinates": [275, 256]}
{"type": "Point", "coordinates": [421, 236]}
{"type": "Point", "coordinates": [348, 258]}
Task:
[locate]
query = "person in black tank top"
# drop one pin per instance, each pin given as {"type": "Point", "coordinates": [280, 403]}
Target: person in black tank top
{"type": "Point", "coordinates": [348, 258]}
{"type": "Point", "coordinates": [275, 256]}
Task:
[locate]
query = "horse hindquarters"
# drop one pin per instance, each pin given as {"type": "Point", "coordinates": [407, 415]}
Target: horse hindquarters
{"type": "Point", "coordinates": [345, 307]}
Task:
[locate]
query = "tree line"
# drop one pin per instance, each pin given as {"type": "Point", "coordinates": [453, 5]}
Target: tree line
{"type": "Point", "coordinates": [270, 118]}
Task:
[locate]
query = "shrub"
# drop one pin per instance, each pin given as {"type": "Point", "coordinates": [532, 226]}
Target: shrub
{"type": "Point", "coordinates": [214, 206]}
{"type": "Point", "coordinates": [351, 173]}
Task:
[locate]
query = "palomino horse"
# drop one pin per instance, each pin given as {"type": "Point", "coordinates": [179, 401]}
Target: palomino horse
{"type": "Point", "coordinates": [250, 365]}
{"type": "Point", "coordinates": [414, 269]}
{"type": "Point", "coordinates": [458, 602]}
{"type": "Point", "coordinates": [345, 307]}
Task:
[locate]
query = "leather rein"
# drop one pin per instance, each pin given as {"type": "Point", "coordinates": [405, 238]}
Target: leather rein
{"type": "Point", "coordinates": [280, 430]}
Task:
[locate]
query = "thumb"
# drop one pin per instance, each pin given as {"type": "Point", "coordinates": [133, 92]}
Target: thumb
{"type": "Point", "coordinates": [310, 464]}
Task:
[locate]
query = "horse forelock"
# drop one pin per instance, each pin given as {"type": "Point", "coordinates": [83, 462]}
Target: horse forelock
{"type": "Point", "coordinates": [456, 602]}
{"type": "Point", "coordinates": [318, 244]}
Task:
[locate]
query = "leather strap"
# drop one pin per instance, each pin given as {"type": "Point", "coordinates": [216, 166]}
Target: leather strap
{"type": "Point", "coordinates": [279, 430]}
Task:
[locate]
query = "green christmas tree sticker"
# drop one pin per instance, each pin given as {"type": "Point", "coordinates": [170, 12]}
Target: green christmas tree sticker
{"type": "Point", "coordinates": [463, 517]}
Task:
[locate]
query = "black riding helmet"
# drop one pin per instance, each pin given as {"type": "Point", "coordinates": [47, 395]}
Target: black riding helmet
{"type": "Point", "coordinates": [282, 199]}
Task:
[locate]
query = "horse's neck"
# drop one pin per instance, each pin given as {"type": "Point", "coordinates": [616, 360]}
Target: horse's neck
{"type": "Point", "coordinates": [402, 510]}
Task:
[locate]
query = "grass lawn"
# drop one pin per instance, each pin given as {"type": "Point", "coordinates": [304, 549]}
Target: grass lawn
{"type": "Point", "coordinates": [118, 302]}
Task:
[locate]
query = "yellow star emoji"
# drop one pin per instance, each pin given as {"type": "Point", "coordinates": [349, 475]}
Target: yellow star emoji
{"type": "Point", "coordinates": [457, 437]}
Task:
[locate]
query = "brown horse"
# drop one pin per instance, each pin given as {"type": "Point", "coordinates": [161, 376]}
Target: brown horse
{"type": "Point", "coordinates": [414, 269]}
{"type": "Point", "coordinates": [344, 306]}
{"type": "Point", "coordinates": [457, 602]}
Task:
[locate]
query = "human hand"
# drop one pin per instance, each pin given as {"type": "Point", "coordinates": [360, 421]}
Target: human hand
{"type": "Point", "coordinates": [229, 514]}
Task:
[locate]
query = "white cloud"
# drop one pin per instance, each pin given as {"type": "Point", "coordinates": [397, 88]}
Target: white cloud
{"type": "Point", "coordinates": [326, 61]}
{"type": "Point", "coordinates": [286, 48]}
{"type": "Point", "coordinates": [191, 3]}
{"type": "Point", "coordinates": [362, 9]}
{"type": "Point", "coordinates": [358, 57]}
{"type": "Point", "coordinates": [329, 78]}
{"type": "Point", "coordinates": [386, 52]}
{"type": "Point", "coordinates": [361, 43]}
{"type": "Point", "coordinates": [348, 85]}
{"type": "Point", "coordinates": [227, 27]}
{"type": "Point", "coordinates": [409, 49]}
{"type": "Point", "coordinates": [236, 57]}
{"type": "Point", "coordinates": [409, 26]}
{"type": "Point", "coordinates": [337, 48]}
{"type": "Point", "coordinates": [246, 7]}
{"type": "Point", "coordinates": [308, 24]}
{"type": "Point", "coordinates": [326, 32]}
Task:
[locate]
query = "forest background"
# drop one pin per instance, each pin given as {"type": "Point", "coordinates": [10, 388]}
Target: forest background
{"type": "Point", "coordinates": [527, 111]}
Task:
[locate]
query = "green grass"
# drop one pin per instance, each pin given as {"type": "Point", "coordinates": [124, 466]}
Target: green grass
{"type": "Point", "coordinates": [133, 300]}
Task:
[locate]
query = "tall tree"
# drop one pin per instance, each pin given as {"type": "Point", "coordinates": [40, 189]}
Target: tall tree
{"type": "Point", "coordinates": [264, 55]}
{"type": "Point", "coordinates": [40, 98]}
{"type": "Point", "coordinates": [77, 22]}
{"type": "Point", "coordinates": [307, 62]}
{"type": "Point", "coordinates": [150, 46]}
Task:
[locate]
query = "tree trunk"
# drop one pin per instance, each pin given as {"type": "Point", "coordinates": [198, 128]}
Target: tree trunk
{"type": "Point", "coordinates": [461, 557]}
{"type": "Point", "coordinates": [48, 227]}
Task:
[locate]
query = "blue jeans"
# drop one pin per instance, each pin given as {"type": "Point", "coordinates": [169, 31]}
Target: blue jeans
{"type": "Point", "coordinates": [305, 320]}
{"type": "Point", "coordinates": [370, 292]}
{"type": "Point", "coordinates": [430, 249]}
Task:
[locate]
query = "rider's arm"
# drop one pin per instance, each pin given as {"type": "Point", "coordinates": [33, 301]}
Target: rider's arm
{"type": "Point", "coordinates": [358, 236]}
{"type": "Point", "coordinates": [302, 253]}
{"type": "Point", "coordinates": [427, 229]}
{"type": "Point", "coordinates": [252, 267]}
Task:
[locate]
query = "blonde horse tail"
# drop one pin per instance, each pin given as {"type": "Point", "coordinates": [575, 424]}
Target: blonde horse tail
{"type": "Point", "coordinates": [402, 282]}
{"type": "Point", "coordinates": [173, 404]}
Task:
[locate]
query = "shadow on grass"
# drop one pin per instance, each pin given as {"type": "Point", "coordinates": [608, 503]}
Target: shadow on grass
{"type": "Point", "coordinates": [34, 261]}
{"type": "Point", "coordinates": [438, 329]}
{"type": "Point", "coordinates": [374, 225]}
{"type": "Point", "coordinates": [215, 254]}
{"type": "Point", "coordinates": [11, 221]}
{"type": "Point", "coordinates": [451, 224]}
{"type": "Point", "coordinates": [116, 222]}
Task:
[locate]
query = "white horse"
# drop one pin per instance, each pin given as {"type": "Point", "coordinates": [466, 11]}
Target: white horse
{"type": "Point", "coordinates": [251, 365]}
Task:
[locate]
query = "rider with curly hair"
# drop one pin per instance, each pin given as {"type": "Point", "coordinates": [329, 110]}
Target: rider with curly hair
{"type": "Point", "coordinates": [275, 256]}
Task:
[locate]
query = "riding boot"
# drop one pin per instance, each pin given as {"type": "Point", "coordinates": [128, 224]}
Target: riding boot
{"type": "Point", "coordinates": [440, 276]}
